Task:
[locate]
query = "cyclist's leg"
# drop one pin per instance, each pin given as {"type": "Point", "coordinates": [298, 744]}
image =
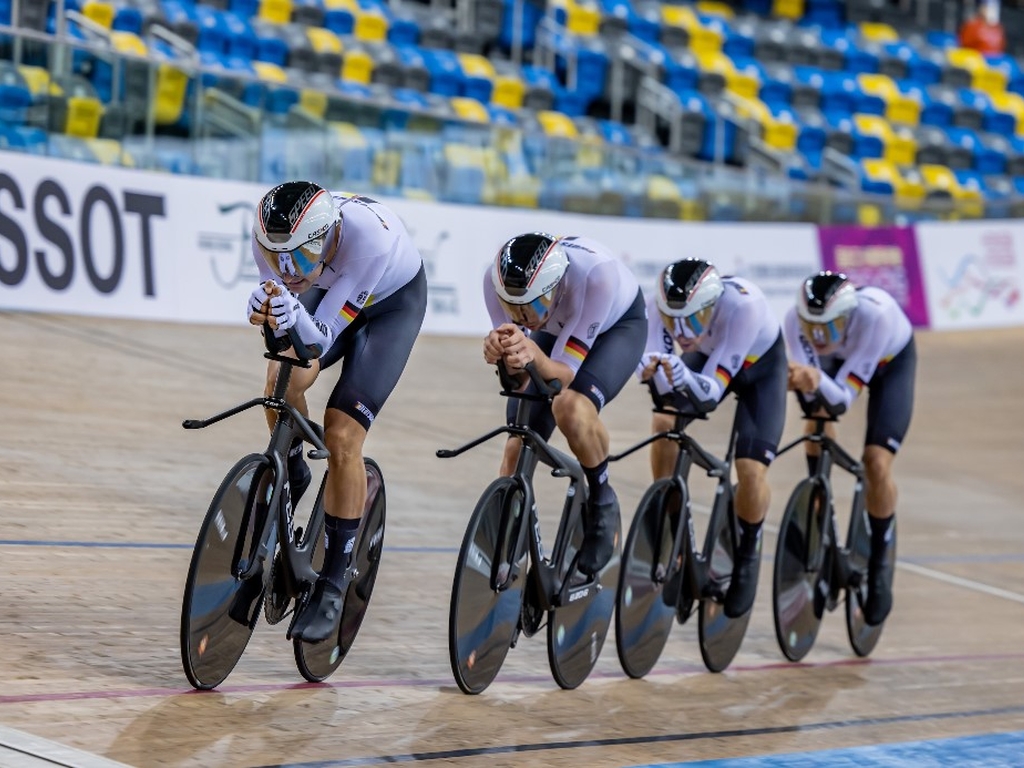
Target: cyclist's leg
{"type": "Point", "coordinates": [890, 405]}
{"type": "Point", "coordinates": [610, 363]}
{"type": "Point", "coordinates": [541, 419]}
{"type": "Point", "coordinates": [375, 355]}
{"type": "Point", "coordinates": [663, 452]}
{"type": "Point", "coordinates": [760, 418]}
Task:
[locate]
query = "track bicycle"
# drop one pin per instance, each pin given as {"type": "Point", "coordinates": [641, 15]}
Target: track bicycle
{"type": "Point", "coordinates": [505, 584]}
{"type": "Point", "coordinates": [665, 571]}
{"type": "Point", "coordinates": [254, 551]}
{"type": "Point", "coordinates": [813, 571]}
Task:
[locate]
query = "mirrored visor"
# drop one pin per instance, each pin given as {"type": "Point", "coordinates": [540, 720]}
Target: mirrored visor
{"type": "Point", "coordinates": [690, 327]}
{"type": "Point", "coordinates": [531, 315]}
{"type": "Point", "coordinates": [299, 262]}
{"type": "Point", "coordinates": [824, 334]}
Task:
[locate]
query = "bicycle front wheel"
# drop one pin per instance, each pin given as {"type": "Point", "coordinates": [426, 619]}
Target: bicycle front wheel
{"type": "Point", "coordinates": [644, 612]}
{"type": "Point", "coordinates": [802, 564]}
{"type": "Point", "coordinates": [863, 636]}
{"type": "Point", "coordinates": [318, 661]}
{"type": "Point", "coordinates": [487, 591]}
{"type": "Point", "coordinates": [577, 630]}
{"type": "Point", "coordinates": [219, 610]}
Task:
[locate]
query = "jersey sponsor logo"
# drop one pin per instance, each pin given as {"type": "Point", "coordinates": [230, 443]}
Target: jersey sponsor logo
{"type": "Point", "coordinates": [703, 383]}
{"type": "Point", "coordinates": [592, 330]}
{"type": "Point", "coordinates": [577, 348]}
{"type": "Point", "coordinates": [362, 297]}
{"type": "Point", "coordinates": [365, 411]}
{"type": "Point", "coordinates": [598, 394]}
{"type": "Point", "coordinates": [735, 361]}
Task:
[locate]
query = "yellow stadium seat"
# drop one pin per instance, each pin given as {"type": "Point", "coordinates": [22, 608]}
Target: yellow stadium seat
{"type": "Point", "coordinates": [716, 8]}
{"type": "Point", "coordinates": [742, 83]}
{"type": "Point", "coordinates": [313, 102]}
{"type": "Point", "coordinates": [898, 148]}
{"type": "Point", "coordinates": [84, 115]}
{"type": "Point", "coordinates": [508, 92]}
{"type": "Point", "coordinates": [470, 109]}
{"type": "Point", "coordinates": [343, 5]}
{"type": "Point", "coordinates": [275, 11]}
{"type": "Point", "coordinates": [580, 18]}
{"type": "Point", "coordinates": [357, 66]}
{"type": "Point", "coordinates": [128, 42]}
{"type": "Point", "coordinates": [869, 215]}
{"type": "Point", "coordinates": [387, 164]}
{"type": "Point", "coordinates": [348, 135]}
{"type": "Point", "coordinates": [37, 79]}
{"type": "Point", "coordinates": [110, 152]}
{"type": "Point", "coordinates": [778, 133]}
{"type": "Point", "coordinates": [1011, 103]}
{"type": "Point", "coordinates": [899, 107]}
{"type": "Point", "coordinates": [939, 178]}
{"type": "Point", "coordinates": [99, 12]}
{"type": "Point", "coordinates": [908, 191]}
{"type": "Point", "coordinates": [983, 77]}
{"type": "Point", "coordinates": [323, 40]}
{"type": "Point", "coordinates": [269, 72]}
{"type": "Point", "coordinates": [475, 65]}
{"type": "Point", "coordinates": [557, 124]}
{"type": "Point", "coordinates": [371, 27]}
{"type": "Point", "coordinates": [703, 40]}
{"type": "Point", "coordinates": [877, 31]}
{"type": "Point", "coordinates": [788, 9]}
{"type": "Point", "coordinates": [171, 87]}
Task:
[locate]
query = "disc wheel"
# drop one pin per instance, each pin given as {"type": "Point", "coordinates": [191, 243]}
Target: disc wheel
{"type": "Point", "coordinates": [487, 591]}
{"type": "Point", "coordinates": [802, 567]}
{"type": "Point", "coordinates": [219, 610]}
{"type": "Point", "coordinates": [863, 636]}
{"type": "Point", "coordinates": [720, 636]}
{"type": "Point", "coordinates": [318, 661]}
{"type": "Point", "coordinates": [577, 630]}
{"type": "Point", "coordinates": [644, 611]}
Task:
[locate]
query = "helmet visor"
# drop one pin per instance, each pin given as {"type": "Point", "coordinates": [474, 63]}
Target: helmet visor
{"type": "Point", "coordinates": [297, 263]}
{"type": "Point", "coordinates": [688, 327]}
{"type": "Point", "coordinates": [532, 314]}
{"type": "Point", "coordinates": [822, 335]}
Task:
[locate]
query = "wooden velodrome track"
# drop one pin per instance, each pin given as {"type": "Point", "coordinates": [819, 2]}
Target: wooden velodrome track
{"type": "Point", "coordinates": [102, 493]}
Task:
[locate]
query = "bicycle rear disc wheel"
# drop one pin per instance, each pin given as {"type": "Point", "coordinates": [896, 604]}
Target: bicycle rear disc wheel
{"type": "Point", "coordinates": [643, 615]}
{"type": "Point", "coordinates": [800, 585]}
{"type": "Point", "coordinates": [482, 620]}
{"type": "Point", "coordinates": [863, 636]}
{"type": "Point", "coordinates": [219, 611]}
{"type": "Point", "coordinates": [318, 661]}
{"type": "Point", "coordinates": [720, 636]}
{"type": "Point", "coordinates": [577, 630]}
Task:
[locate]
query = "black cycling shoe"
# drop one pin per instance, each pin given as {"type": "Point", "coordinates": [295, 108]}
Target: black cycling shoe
{"type": "Point", "coordinates": [879, 597]}
{"type": "Point", "coordinates": [299, 478]}
{"type": "Point", "coordinates": [739, 599]}
{"type": "Point", "coordinates": [600, 526]}
{"type": "Point", "coordinates": [321, 616]}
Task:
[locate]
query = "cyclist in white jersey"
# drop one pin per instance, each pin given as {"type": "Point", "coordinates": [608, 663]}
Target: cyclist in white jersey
{"type": "Point", "coordinates": [730, 341]}
{"type": "Point", "coordinates": [569, 306]}
{"type": "Point", "coordinates": [842, 339]}
{"type": "Point", "coordinates": [344, 273]}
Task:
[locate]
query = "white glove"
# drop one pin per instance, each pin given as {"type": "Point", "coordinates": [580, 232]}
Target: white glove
{"type": "Point", "coordinates": [661, 383]}
{"type": "Point", "coordinates": [255, 307]}
{"type": "Point", "coordinates": [645, 361]}
{"type": "Point", "coordinates": [285, 310]}
{"type": "Point", "coordinates": [677, 370]}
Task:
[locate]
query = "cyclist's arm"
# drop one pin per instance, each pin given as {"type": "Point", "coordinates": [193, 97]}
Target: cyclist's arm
{"type": "Point", "coordinates": [585, 320]}
{"type": "Point", "coordinates": [860, 364]}
{"type": "Point", "coordinates": [343, 301]}
{"type": "Point", "coordinates": [707, 387]}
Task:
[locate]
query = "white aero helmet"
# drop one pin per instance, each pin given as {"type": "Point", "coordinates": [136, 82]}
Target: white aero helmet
{"type": "Point", "coordinates": [687, 292]}
{"type": "Point", "coordinates": [824, 305]}
{"type": "Point", "coordinates": [526, 273]}
{"type": "Point", "coordinates": [293, 225]}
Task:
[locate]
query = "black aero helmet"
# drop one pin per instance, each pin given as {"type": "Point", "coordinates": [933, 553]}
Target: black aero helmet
{"type": "Point", "coordinates": [824, 305]}
{"type": "Point", "coordinates": [526, 272]}
{"type": "Point", "coordinates": [687, 292]}
{"type": "Point", "coordinates": [292, 223]}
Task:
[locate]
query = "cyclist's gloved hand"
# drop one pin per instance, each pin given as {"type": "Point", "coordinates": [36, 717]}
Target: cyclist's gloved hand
{"type": "Point", "coordinates": [660, 381]}
{"type": "Point", "coordinates": [258, 308]}
{"type": "Point", "coordinates": [677, 370]}
{"type": "Point", "coordinates": [647, 365]}
{"type": "Point", "coordinates": [284, 311]}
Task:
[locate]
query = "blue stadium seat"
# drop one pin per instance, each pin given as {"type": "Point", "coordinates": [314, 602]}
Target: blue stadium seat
{"type": "Point", "coordinates": [446, 76]}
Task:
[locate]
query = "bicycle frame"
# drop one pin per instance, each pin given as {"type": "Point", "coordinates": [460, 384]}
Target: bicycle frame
{"type": "Point", "coordinates": [831, 453]}
{"type": "Point", "coordinates": [297, 556]}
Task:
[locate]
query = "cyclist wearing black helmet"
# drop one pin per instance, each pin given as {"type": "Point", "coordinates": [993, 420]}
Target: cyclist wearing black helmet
{"type": "Point", "coordinates": [568, 305]}
{"type": "Point", "coordinates": [730, 341]}
{"type": "Point", "coordinates": [334, 267]}
{"type": "Point", "coordinates": [842, 339]}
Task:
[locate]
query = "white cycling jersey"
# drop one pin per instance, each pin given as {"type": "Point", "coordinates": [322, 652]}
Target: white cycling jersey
{"type": "Point", "coordinates": [594, 293]}
{"type": "Point", "coordinates": [876, 332]}
{"type": "Point", "coordinates": [375, 257]}
{"type": "Point", "coordinates": [742, 328]}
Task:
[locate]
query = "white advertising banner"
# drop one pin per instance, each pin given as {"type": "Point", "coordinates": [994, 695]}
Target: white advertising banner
{"type": "Point", "coordinates": [973, 273]}
{"type": "Point", "coordinates": [87, 239]}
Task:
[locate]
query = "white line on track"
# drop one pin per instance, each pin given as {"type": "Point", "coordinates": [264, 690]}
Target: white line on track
{"type": "Point", "coordinates": [23, 750]}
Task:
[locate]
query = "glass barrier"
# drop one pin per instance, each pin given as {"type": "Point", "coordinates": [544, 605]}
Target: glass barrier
{"type": "Point", "coordinates": [95, 95]}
